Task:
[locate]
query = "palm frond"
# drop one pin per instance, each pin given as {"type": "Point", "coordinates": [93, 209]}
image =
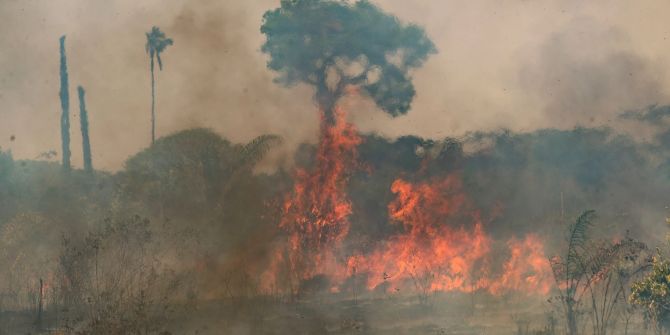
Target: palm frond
{"type": "Point", "coordinates": [557, 266]}
{"type": "Point", "coordinates": [579, 230]}
{"type": "Point", "coordinates": [162, 44]}
{"type": "Point", "coordinates": [156, 44]}
{"type": "Point", "coordinates": [574, 262]}
{"type": "Point", "coordinates": [255, 150]}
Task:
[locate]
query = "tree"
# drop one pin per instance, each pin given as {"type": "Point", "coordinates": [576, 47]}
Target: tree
{"type": "Point", "coordinates": [336, 46]}
{"type": "Point", "coordinates": [570, 272]}
{"type": "Point", "coordinates": [85, 142]}
{"type": "Point", "coordinates": [598, 269]}
{"type": "Point", "coordinates": [653, 294]}
{"type": "Point", "coordinates": [65, 107]}
{"type": "Point", "coordinates": [197, 162]}
{"type": "Point", "coordinates": [156, 44]}
{"type": "Point", "coordinates": [611, 266]}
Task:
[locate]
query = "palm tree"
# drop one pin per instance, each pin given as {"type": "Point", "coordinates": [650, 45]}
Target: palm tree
{"type": "Point", "coordinates": [156, 43]}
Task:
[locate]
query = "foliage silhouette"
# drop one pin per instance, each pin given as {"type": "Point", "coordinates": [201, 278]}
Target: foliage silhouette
{"type": "Point", "coordinates": [337, 46]}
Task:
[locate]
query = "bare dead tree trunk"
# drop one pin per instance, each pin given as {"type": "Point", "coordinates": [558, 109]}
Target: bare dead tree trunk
{"type": "Point", "coordinates": [85, 141]}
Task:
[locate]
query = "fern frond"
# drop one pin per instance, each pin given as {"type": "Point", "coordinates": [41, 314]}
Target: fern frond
{"type": "Point", "coordinates": [575, 264]}
{"type": "Point", "coordinates": [255, 150]}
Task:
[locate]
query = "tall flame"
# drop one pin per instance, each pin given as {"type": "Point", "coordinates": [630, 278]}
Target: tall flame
{"type": "Point", "coordinates": [315, 214]}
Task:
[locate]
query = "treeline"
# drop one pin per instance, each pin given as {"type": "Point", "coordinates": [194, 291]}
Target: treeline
{"type": "Point", "coordinates": [112, 253]}
{"type": "Point", "coordinates": [196, 198]}
{"type": "Point", "coordinates": [533, 179]}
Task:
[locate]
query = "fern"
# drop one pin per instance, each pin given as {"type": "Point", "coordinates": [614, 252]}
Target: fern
{"type": "Point", "coordinates": [253, 151]}
{"type": "Point", "coordinates": [574, 263]}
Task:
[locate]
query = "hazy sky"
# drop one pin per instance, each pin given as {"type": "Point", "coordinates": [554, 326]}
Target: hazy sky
{"type": "Point", "coordinates": [517, 64]}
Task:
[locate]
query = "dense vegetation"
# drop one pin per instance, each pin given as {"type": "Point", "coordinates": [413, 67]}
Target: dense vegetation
{"type": "Point", "coordinates": [186, 219]}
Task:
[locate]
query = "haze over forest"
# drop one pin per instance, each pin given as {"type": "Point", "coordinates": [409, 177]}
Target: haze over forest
{"type": "Point", "coordinates": [334, 167]}
{"type": "Point", "coordinates": [520, 65]}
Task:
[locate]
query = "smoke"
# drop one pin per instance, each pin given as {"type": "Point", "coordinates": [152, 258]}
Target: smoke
{"type": "Point", "coordinates": [529, 182]}
{"type": "Point", "coordinates": [229, 87]}
{"type": "Point", "coordinates": [497, 67]}
{"type": "Point", "coordinates": [535, 68]}
{"type": "Point", "coordinates": [587, 73]}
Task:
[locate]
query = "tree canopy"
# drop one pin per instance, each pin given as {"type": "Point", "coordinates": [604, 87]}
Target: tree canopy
{"type": "Point", "coordinates": [335, 44]}
{"type": "Point", "coordinates": [653, 293]}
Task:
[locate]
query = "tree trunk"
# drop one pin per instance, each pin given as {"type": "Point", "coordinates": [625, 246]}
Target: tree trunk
{"type": "Point", "coordinates": [327, 103]}
{"type": "Point", "coordinates": [86, 144]}
{"type": "Point", "coordinates": [627, 320]}
{"type": "Point", "coordinates": [153, 103]}
{"type": "Point", "coordinates": [65, 106]}
{"type": "Point", "coordinates": [40, 303]}
{"type": "Point", "coordinates": [572, 320]}
{"type": "Point", "coordinates": [327, 98]}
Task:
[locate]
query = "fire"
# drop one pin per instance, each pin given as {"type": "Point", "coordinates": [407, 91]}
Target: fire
{"type": "Point", "coordinates": [442, 244]}
{"type": "Point", "coordinates": [441, 255]}
{"type": "Point", "coordinates": [526, 269]}
{"type": "Point", "coordinates": [315, 214]}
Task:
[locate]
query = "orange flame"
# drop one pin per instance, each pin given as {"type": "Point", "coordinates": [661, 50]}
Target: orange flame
{"type": "Point", "coordinates": [316, 213]}
{"type": "Point", "coordinates": [438, 254]}
{"type": "Point", "coordinates": [441, 256]}
{"type": "Point", "coordinates": [527, 268]}
{"type": "Point", "coordinates": [442, 245]}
